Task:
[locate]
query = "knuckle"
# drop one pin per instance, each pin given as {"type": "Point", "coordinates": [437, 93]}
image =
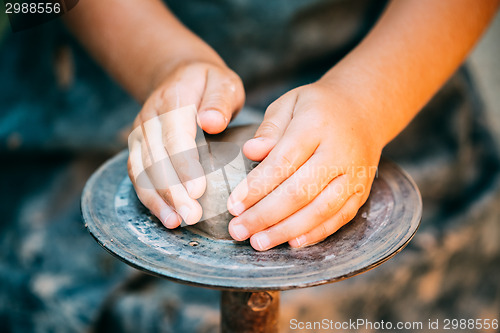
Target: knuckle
{"type": "Point", "coordinates": [236, 82]}
{"type": "Point", "coordinates": [322, 212]}
{"type": "Point", "coordinates": [323, 231]}
{"type": "Point", "coordinates": [283, 234]}
{"type": "Point", "coordinates": [331, 205]}
{"type": "Point", "coordinates": [217, 101]}
{"type": "Point", "coordinates": [284, 160]}
{"type": "Point", "coordinates": [155, 103]}
{"type": "Point", "coordinates": [297, 194]}
{"type": "Point", "coordinates": [346, 216]}
{"type": "Point", "coordinates": [179, 145]}
{"type": "Point", "coordinates": [258, 222]}
{"type": "Point", "coordinates": [238, 92]}
{"type": "Point", "coordinates": [162, 95]}
{"type": "Point", "coordinates": [181, 163]}
{"type": "Point", "coordinates": [172, 139]}
{"type": "Point", "coordinates": [277, 104]}
{"type": "Point", "coordinates": [343, 216]}
{"type": "Point", "coordinates": [166, 195]}
{"type": "Point", "coordinates": [267, 127]}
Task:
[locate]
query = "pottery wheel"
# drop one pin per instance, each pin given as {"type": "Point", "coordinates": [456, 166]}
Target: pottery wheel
{"type": "Point", "coordinates": [123, 226]}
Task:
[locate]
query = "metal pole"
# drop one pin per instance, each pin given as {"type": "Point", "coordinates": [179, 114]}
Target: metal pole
{"type": "Point", "coordinates": [249, 312]}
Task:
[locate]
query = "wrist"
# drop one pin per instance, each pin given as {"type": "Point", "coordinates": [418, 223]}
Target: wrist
{"type": "Point", "coordinates": [170, 63]}
{"type": "Point", "coordinates": [368, 98]}
{"type": "Point", "coordinates": [362, 114]}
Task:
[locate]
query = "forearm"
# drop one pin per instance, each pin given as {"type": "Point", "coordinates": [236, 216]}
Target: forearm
{"type": "Point", "coordinates": [414, 48]}
{"type": "Point", "coordinates": [137, 42]}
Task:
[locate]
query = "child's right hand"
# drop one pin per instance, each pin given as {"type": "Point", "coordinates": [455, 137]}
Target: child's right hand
{"type": "Point", "coordinates": [171, 188]}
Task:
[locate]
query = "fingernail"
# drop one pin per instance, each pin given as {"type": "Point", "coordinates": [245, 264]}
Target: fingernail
{"type": "Point", "coordinates": [213, 116]}
{"type": "Point", "coordinates": [262, 241]}
{"type": "Point", "coordinates": [184, 213]}
{"type": "Point", "coordinates": [236, 208]}
{"type": "Point", "coordinates": [300, 240]}
{"type": "Point", "coordinates": [166, 217]}
{"type": "Point", "coordinates": [239, 231]}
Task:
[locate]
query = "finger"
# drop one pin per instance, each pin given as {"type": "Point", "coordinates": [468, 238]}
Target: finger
{"type": "Point", "coordinates": [287, 157]}
{"type": "Point", "coordinates": [181, 92]}
{"type": "Point", "coordinates": [272, 128]}
{"type": "Point", "coordinates": [148, 195]}
{"type": "Point", "coordinates": [178, 129]}
{"type": "Point", "coordinates": [175, 105]}
{"type": "Point", "coordinates": [163, 175]}
{"type": "Point", "coordinates": [290, 196]}
{"type": "Point", "coordinates": [223, 96]}
{"type": "Point", "coordinates": [330, 226]}
{"type": "Point", "coordinates": [321, 209]}
{"type": "Point", "coordinates": [151, 199]}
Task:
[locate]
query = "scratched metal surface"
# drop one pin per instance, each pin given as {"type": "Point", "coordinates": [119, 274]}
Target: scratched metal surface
{"type": "Point", "coordinates": [123, 226]}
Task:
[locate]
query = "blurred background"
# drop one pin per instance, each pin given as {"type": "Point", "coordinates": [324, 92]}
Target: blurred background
{"type": "Point", "coordinates": [61, 117]}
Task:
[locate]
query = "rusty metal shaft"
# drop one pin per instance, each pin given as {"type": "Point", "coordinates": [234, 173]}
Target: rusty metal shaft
{"type": "Point", "coordinates": [250, 312]}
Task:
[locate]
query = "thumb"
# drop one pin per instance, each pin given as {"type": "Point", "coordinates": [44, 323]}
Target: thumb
{"type": "Point", "coordinates": [223, 96]}
{"type": "Point", "coordinates": [276, 120]}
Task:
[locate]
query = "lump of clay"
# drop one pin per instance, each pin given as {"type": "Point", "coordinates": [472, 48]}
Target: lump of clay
{"type": "Point", "coordinates": [225, 167]}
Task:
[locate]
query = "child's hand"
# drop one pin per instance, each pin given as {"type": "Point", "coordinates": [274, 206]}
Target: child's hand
{"type": "Point", "coordinates": [163, 162]}
{"type": "Point", "coordinates": [320, 153]}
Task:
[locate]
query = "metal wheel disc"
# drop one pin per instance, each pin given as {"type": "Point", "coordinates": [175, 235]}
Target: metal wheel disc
{"type": "Point", "coordinates": [123, 226]}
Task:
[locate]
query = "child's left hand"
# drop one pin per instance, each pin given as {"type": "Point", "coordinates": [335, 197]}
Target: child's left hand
{"type": "Point", "coordinates": [319, 151]}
